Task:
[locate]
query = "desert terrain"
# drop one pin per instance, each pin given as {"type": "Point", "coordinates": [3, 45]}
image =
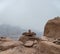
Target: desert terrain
{"type": "Point", "coordinates": [30, 43]}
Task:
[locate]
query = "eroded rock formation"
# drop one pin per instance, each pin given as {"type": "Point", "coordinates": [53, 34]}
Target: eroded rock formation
{"type": "Point", "coordinates": [7, 43]}
{"type": "Point", "coordinates": [29, 43]}
{"type": "Point", "coordinates": [52, 28]}
{"type": "Point", "coordinates": [41, 47]}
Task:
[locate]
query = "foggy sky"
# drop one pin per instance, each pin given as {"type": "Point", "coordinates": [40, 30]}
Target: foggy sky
{"type": "Point", "coordinates": [28, 14]}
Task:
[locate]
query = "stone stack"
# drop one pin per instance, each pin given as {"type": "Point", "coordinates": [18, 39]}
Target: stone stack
{"type": "Point", "coordinates": [29, 38]}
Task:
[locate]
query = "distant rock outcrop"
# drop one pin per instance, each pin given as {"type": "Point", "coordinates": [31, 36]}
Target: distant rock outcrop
{"type": "Point", "coordinates": [52, 28]}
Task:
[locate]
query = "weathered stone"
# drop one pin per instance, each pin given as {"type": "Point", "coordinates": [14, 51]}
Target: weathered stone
{"type": "Point", "coordinates": [28, 36]}
{"type": "Point", "coordinates": [9, 45]}
{"type": "Point", "coordinates": [57, 41]}
{"type": "Point", "coordinates": [29, 33]}
{"type": "Point", "coordinates": [43, 38]}
{"type": "Point", "coordinates": [52, 28]}
{"type": "Point", "coordinates": [43, 47]}
{"type": "Point", "coordinates": [35, 41]}
{"type": "Point", "coordinates": [29, 43]}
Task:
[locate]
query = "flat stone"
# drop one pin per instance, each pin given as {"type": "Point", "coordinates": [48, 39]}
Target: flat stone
{"type": "Point", "coordinates": [29, 43]}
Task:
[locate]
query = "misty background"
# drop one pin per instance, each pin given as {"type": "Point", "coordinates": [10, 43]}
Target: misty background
{"type": "Point", "coordinates": [17, 16]}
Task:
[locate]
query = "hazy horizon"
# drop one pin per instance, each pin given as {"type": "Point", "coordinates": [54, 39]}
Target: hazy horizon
{"type": "Point", "coordinates": [28, 14]}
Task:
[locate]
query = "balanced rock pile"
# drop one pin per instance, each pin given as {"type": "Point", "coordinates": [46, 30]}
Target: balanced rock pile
{"type": "Point", "coordinates": [29, 38]}
{"type": "Point", "coordinates": [29, 46]}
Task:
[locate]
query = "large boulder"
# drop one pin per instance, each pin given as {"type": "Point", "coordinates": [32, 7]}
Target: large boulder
{"type": "Point", "coordinates": [19, 50]}
{"type": "Point", "coordinates": [52, 28]}
{"type": "Point", "coordinates": [46, 47]}
{"type": "Point", "coordinates": [9, 45]}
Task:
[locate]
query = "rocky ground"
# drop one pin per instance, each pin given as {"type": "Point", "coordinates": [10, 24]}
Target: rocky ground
{"type": "Point", "coordinates": [29, 47]}
{"type": "Point", "coordinates": [29, 43]}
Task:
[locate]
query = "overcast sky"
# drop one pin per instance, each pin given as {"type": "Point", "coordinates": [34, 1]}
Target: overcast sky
{"type": "Point", "coordinates": [28, 14]}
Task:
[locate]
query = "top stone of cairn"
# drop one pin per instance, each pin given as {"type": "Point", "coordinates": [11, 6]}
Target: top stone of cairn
{"type": "Point", "coordinates": [29, 33]}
